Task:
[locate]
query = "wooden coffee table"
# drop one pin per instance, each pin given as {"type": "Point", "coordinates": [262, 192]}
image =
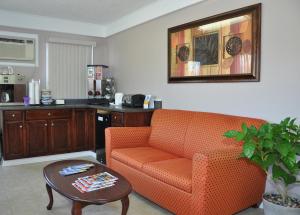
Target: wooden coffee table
{"type": "Point", "coordinates": [63, 185]}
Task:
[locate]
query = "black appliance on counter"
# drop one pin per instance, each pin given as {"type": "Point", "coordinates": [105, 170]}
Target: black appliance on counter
{"type": "Point", "coordinates": [98, 101]}
{"type": "Point", "coordinates": [135, 101]}
{"type": "Point", "coordinates": [103, 120]}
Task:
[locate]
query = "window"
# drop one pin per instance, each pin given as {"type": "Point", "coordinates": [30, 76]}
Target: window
{"type": "Point", "coordinates": [66, 74]}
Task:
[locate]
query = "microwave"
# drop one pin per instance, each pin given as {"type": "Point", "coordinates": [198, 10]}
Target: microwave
{"type": "Point", "coordinates": [133, 100]}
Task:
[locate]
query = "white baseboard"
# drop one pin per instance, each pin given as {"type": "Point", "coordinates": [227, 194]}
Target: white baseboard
{"type": "Point", "coordinates": [48, 158]}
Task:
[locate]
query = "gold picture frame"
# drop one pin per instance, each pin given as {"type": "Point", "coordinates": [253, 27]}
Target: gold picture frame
{"type": "Point", "coordinates": [221, 48]}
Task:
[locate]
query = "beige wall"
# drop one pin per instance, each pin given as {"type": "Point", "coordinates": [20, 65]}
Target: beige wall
{"type": "Point", "coordinates": [138, 58]}
{"type": "Point", "coordinates": [100, 52]}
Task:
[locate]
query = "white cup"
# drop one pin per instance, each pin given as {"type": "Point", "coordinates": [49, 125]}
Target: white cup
{"type": "Point", "coordinates": [118, 98]}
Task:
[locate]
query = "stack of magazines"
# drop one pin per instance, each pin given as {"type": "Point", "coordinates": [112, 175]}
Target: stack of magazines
{"type": "Point", "coordinates": [95, 182]}
{"type": "Point", "coordinates": [76, 169]}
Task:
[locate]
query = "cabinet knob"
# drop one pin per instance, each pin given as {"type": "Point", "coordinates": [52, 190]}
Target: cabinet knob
{"type": "Point", "coordinates": [13, 115]}
{"type": "Point", "coordinates": [46, 124]}
{"type": "Point", "coordinates": [115, 117]}
{"type": "Point", "coordinates": [52, 124]}
{"type": "Point", "coordinates": [21, 126]}
{"type": "Point", "coordinates": [49, 114]}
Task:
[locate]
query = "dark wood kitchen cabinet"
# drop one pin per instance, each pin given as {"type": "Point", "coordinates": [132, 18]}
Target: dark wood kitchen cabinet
{"type": "Point", "coordinates": [60, 136]}
{"type": "Point", "coordinates": [53, 131]}
{"type": "Point", "coordinates": [130, 119]}
{"type": "Point", "coordinates": [37, 132]}
{"type": "Point", "coordinates": [84, 129]}
{"type": "Point", "coordinates": [91, 129]}
{"type": "Point", "coordinates": [79, 130]}
{"type": "Point", "coordinates": [14, 135]}
{"type": "Point", "coordinates": [36, 137]}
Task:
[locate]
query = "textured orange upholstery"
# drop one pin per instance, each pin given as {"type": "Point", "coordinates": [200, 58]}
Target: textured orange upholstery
{"type": "Point", "coordinates": [185, 164]}
{"type": "Point", "coordinates": [168, 132]}
{"type": "Point", "coordinates": [136, 157]}
{"type": "Point", "coordinates": [223, 184]}
{"type": "Point", "coordinates": [176, 172]}
{"type": "Point", "coordinates": [121, 137]}
{"type": "Point", "coordinates": [206, 131]}
{"type": "Point", "coordinates": [167, 196]}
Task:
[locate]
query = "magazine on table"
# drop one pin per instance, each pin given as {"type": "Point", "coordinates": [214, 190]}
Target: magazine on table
{"type": "Point", "coordinates": [76, 169]}
{"type": "Point", "coordinates": [95, 182]}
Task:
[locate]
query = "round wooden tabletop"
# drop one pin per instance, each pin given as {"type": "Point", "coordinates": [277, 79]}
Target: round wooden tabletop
{"type": "Point", "coordinates": [63, 184]}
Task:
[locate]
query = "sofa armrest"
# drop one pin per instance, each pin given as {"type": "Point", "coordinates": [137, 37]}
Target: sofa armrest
{"type": "Point", "coordinates": [125, 137]}
{"type": "Point", "coordinates": [223, 183]}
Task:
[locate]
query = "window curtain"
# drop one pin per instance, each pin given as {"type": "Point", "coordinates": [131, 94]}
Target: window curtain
{"type": "Point", "coordinates": [66, 69]}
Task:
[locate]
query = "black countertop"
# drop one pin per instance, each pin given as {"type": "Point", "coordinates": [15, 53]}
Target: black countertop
{"type": "Point", "coordinates": [101, 107]}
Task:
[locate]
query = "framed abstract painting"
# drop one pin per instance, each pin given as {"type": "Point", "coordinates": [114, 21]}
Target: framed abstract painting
{"type": "Point", "coordinates": [221, 48]}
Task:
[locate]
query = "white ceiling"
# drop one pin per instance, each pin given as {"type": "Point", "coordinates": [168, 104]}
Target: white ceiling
{"type": "Point", "coordinates": [87, 17]}
{"type": "Point", "coordinates": [92, 11]}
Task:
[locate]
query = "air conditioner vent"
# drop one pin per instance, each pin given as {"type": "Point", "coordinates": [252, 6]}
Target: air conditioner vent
{"type": "Point", "coordinates": [15, 50]}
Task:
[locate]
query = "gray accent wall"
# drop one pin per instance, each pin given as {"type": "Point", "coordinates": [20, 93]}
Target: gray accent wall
{"type": "Point", "coordinates": [138, 58]}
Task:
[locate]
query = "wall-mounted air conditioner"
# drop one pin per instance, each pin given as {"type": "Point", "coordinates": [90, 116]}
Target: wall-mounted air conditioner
{"type": "Point", "coordinates": [18, 49]}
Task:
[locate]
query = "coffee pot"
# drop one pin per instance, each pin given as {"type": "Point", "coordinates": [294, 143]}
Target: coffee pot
{"type": "Point", "coordinates": [5, 97]}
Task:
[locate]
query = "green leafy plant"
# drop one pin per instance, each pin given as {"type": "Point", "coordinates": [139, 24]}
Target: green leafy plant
{"type": "Point", "coordinates": [273, 147]}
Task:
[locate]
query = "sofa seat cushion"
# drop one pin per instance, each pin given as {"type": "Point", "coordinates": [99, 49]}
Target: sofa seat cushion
{"type": "Point", "coordinates": [176, 172]}
{"type": "Point", "coordinates": [136, 157]}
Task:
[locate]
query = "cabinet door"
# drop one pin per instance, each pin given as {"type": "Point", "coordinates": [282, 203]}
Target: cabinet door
{"type": "Point", "coordinates": [130, 119]}
{"type": "Point", "coordinates": [36, 137]}
{"type": "Point", "coordinates": [136, 119]}
{"type": "Point", "coordinates": [80, 130]}
{"type": "Point", "coordinates": [91, 129]}
{"type": "Point", "coordinates": [60, 135]}
{"type": "Point", "coordinates": [84, 130]}
{"type": "Point", "coordinates": [117, 119]}
{"type": "Point", "coordinates": [14, 144]}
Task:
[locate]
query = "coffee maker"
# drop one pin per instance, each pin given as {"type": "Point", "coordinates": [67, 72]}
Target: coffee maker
{"type": "Point", "coordinates": [12, 88]}
{"type": "Point", "coordinates": [101, 85]}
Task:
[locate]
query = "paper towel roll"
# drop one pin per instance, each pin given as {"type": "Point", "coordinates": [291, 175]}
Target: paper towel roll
{"type": "Point", "coordinates": [31, 92]}
{"type": "Point", "coordinates": [37, 92]}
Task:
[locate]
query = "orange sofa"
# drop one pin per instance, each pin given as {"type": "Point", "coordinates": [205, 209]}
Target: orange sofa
{"type": "Point", "coordinates": [183, 162]}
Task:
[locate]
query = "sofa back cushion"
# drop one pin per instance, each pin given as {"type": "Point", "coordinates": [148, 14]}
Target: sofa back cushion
{"type": "Point", "coordinates": [206, 131]}
{"type": "Point", "coordinates": [168, 129]}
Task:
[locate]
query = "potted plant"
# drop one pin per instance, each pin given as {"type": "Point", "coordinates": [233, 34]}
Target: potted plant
{"type": "Point", "coordinates": [275, 148]}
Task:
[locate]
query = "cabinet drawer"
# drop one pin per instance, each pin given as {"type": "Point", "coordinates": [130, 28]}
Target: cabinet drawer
{"type": "Point", "coordinates": [117, 119]}
{"type": "Point", "coordinates": [48, 114]}
{"type": "Point", "coordinates": [13, 115]}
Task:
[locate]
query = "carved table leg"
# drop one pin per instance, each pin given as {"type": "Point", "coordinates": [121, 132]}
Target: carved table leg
{"type": "Point", "coordinates": [125, 205]}
{"type": "Point", "coordinates": [76, 208]}
{"type": "Point", "coordinates": [49, 190]}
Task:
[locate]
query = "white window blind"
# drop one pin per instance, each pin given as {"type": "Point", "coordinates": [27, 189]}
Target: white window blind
{"type": "Point", "coordinates": [66, 69]}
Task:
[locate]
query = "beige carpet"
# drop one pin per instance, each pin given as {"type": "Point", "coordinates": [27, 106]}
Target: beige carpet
{"type": "Point", "coordinates": [23, 192]}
